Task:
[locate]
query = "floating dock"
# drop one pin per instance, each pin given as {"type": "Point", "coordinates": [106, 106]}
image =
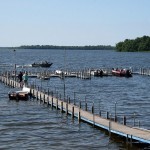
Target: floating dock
{"type": "Point", "coordinates": [129, 133]}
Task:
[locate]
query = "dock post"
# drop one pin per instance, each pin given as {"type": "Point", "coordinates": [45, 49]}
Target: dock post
{"type": "Point", "coordinates": [66, 108]}
{"type": "Point", "coordinates": [30, 93]}
{"type": "Point", "coordinates": [139, 123]}
{"type": "Point", "coordinates": [61, 109]}
{"type": "Point", "coordinates": [57, 103]}
{"type": "Point", "coordinates": [100, 113]}
{"type": "Point", "coordinates": [127, 139]}
{"type": "Point", "coordinates": [52, 102]}
{"type": "Point", "coordinates": [44, 95]}
{"type": "Point", "coordinates": [124, 120]}
{"type": "Point", "coordinates": [47, 100]}
{"type": "Point", "coordinates": [131, 141]}
{"type": "Point", "coordinates": [79, 117]}
{"type": "Point", "coordinates": [6, 81]}
{"type": "Point", "coordinates": [57, 100]}
{"type": "Point", "coordinates": [109, 128]}
{"type": "Point", "coordinates": [85, 106]}
{"type": "Point", "coordinates": [44, 98]}
{"type": "Point", "coordinates": [33, 92]}
{"type": "Point", "coordinates": [115, 119]}
{"type": "Point", "coordinates": [93, 108]}
{"type": "Point", "coordinates": [14, 83]}
{"type": "Point", "coordinates": [48, 91]}
{"type": "Point", "coordinates": [69, 100]}
{"type": "Point", "coordinates": [40, 96]}
{"type": "Point", "coordinates": [9, 81]}
{"type": "Point", "coordinates": [134, 120]}
{"type": "Point", "coordinates": [11, 84]}
{"type": "Point", "coordinates": [107, 115]}
{"type": "Point", "coordinates": [80, 104]}
{"type": "Point", "coordinates": [93, 115]}
{"type": "Point", "coordinates": [72, 112]}
{"type": "Point", "coordinates": [37, 94]}
{"type": "Point", "coordinates": [74, 99]}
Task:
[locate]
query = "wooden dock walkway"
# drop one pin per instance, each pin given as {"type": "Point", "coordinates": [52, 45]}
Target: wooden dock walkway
{"type": "Point", "coordinates": [81, 74]}
{"type": "Point", "coordinates": [130, 133]}
{"type": "Point", "coordinates": [107, 124]}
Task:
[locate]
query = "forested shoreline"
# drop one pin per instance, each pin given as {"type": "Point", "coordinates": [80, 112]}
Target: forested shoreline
{"type": "Point", "coordinates": [140, 44]}
{"type": "Point", "coordinates": [134, 45]}
{"type": "Point", "coordinates": [98, 47]}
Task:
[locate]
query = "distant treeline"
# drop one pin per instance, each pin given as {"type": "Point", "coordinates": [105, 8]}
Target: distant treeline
{"type": "Point", "coordinates": [98, 47]}
{"type": "Point", "coordinates": [138, 44]}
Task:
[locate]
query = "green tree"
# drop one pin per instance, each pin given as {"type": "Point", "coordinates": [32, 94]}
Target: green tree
{"type": "Point", "coordinates": [138, 44]}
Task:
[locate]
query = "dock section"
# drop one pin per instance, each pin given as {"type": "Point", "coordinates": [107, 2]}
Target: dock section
{"type": "Point", "coordinates": [130, 133]}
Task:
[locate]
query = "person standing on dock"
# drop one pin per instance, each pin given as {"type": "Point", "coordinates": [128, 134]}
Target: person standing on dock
{"type": "Point", "coordinates": [20, 78]}
{"type": "Point", "coordinates": [25, 79]}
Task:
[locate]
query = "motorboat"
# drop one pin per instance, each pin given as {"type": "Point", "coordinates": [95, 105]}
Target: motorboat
{"type": "Point", "coordinates": [42, 64]}
{"type": "Point", "coordinates": [98, 73]}
{"type": "Point", "coordinates": [18, 95]}
{"type": "Point", "coordinates": [122, 72]}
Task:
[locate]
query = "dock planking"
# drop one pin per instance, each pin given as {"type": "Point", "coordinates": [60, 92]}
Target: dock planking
{"type": "Point", "coordinates": [138, 134]}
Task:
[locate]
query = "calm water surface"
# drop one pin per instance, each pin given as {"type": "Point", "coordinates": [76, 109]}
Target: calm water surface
{"type": "Point", "coordinates": [31, 125]}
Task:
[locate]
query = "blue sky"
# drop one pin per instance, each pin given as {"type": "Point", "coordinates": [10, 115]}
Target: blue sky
{"type": "Point", "coordinates": [72, 22]}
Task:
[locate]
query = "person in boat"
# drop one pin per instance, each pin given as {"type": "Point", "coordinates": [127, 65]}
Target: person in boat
{"type": "Point", "coordinates": [25, 78]}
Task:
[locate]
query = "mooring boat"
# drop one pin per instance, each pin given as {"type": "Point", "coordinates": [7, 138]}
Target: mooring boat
{"type": "Point", "coordinates": [18, 95]}
{"type": "Point", "coordinates": [122, 72]}
{"type": "Point", "coordinates": [41, 64]}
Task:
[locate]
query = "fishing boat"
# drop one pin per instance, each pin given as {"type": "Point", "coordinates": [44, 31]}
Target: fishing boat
{"type": "Point", "coordinates": [122, 72]}
{"type": "Point", "coordinates": [18, 95]}
{"type": "Point", "coordinates": [42, 64]}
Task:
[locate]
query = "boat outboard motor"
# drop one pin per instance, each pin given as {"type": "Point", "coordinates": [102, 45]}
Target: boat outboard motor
{"type": "Point", "coordinates": [128, 73]}
{"type": "Point", "coordinates": [101, 73]}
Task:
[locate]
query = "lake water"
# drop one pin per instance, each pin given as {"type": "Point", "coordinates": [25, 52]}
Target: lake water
{"type": "Point", "coordinates": [31, 125]}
